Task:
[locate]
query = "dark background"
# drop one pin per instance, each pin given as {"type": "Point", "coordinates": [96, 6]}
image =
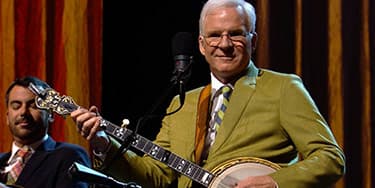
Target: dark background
{"type": "Point", "coordinates": [137, 57]}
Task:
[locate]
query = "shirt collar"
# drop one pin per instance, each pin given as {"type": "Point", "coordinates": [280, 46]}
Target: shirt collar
{"type": "Point", "coordinates": [32, 146]}
{"type": "Point", "coordinates": [216, 84]}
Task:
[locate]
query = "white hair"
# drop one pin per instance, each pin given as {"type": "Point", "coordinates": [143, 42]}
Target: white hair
{"type": "Point", "coordinates": [249, 12]}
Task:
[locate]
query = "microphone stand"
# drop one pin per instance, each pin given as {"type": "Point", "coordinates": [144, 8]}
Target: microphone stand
{"type": "Point", "coordinates": [180, 76]}
{"type": "Point", "coordinates": [82, 173]}
{"type": "Point", "coordinates": [181, 44]}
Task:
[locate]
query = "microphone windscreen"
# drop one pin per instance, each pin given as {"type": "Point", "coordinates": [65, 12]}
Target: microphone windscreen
{"type": "Point", "coordinates": [82, 173]}
{"type": "Point", "coordinates": [182, 44]}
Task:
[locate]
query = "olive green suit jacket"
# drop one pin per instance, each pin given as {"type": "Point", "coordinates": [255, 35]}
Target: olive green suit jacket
{"type": "Point", "coordinates": [270, 116]}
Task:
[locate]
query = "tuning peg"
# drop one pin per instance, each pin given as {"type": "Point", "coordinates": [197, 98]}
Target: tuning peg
{"type": "Point", "coordinates": [125, 122]}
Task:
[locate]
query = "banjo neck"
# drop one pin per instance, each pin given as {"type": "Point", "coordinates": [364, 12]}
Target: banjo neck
{"type": "Point", "coordinates": [185, 167]}
{"type": "Point", "coordinates": [49, 99]}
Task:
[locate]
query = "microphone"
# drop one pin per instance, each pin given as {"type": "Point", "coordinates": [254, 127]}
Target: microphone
{"type": "Point", "coordinates": [82, 173]}
{"type": "Point", "coordinates": [182, 51]}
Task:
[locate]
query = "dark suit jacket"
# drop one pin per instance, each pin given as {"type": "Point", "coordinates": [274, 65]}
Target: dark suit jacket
{"type": "Point", "coordinates": [48, 166]}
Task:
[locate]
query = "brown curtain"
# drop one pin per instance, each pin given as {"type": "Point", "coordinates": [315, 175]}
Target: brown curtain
{"type": "Point", "coordinates": [331, 45]}
{"type": "Point", "coordinates": [58, 41]}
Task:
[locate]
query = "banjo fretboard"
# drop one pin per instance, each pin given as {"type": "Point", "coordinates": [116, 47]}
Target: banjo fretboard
{"type": "Point", "coordinates": [63, 105]}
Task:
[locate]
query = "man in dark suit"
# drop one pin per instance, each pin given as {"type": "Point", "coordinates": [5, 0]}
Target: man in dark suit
{"type": "Point", "coordinates": [49, 161]}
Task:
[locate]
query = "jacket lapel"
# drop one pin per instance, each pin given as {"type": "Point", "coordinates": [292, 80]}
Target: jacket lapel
{"type": "Point", "coordinates": [4, 157]}
{"type": "Point", "coordinates": [243, 91]}
{"type": "Point", "coordinates": [36, 159]}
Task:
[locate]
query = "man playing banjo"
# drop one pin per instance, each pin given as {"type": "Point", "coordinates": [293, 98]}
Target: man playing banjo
{"type": "Point", "coordinates": [268, 123]}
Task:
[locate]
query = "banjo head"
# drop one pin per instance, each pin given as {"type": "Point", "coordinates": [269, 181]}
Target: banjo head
{"type": "Point", "coordinates": [230, 172]}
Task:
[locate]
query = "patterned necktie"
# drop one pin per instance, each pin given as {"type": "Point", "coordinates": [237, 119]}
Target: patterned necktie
{"type": "Point", "coordinates": [17, 163]}
{"type": "Point", "coordinates": [226, 91]}
{"type": "Point", "coordinates": [219, 115]}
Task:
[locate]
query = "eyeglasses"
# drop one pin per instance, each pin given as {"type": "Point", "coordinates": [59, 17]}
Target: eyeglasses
{"type": "Point", "coordinates": [236, 37]}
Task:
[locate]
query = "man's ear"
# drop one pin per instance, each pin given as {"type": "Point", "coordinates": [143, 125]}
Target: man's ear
{"type": "Point", "coordinates": [7, 118]}
{"type": "Point", "coordinates": [201, 45]}
{"type": "Point", "coordinates": [254, 38]}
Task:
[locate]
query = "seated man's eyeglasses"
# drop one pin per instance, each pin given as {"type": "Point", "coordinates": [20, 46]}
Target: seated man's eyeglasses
{"type": "Point", "coordinates": [237, 37]}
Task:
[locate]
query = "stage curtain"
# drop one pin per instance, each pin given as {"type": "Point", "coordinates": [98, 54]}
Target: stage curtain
{"type": "Point", "coordinates": [331, 45]}
{"type": "Point", "coordinates": [61, 43]}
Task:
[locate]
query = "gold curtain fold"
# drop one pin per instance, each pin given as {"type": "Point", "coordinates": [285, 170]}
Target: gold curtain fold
{"type": "Point", "coordinates": [76, 55]}
{"type": "Point", "coordinates": [365, 78]}
{"type": "Point", "coordinates": [298, 37]}
{"type": "Point", "coordinates": [335, 77]}
{"type": "Point", "coordinates": [7, 60]}
{"type": "Point", "coordinates": [262, 27]}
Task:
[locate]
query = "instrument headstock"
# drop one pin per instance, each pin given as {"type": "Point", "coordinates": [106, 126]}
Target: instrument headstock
{"type": "Point", "coordinates": [49, 99]}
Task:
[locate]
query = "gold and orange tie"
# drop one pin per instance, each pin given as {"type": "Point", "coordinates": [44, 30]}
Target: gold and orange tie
{"type": "Point", "coordinates": [18, 162]}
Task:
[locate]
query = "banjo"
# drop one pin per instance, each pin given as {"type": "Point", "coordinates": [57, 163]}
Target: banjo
{"type": "Point", "coordinates": [222, 176]}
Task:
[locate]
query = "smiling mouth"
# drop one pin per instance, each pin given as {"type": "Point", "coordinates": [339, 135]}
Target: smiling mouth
{"type": "Point", "coordinates": [225, 57]}
{"type": "Point", "coordinates": [23, 124]}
